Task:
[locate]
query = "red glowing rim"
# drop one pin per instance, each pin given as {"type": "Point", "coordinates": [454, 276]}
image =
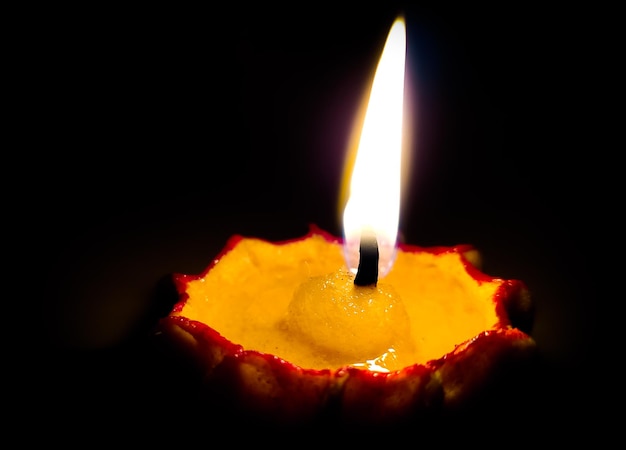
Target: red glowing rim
{"type": "Point", "coordinates": [499, 336]}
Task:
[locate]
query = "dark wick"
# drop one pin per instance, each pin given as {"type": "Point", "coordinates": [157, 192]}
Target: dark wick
{"type": "Point", "coordinates": [367, 273]}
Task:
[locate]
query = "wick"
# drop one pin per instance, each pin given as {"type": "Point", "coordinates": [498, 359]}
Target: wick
{"type": "Point", "coordinates": [367, 273]}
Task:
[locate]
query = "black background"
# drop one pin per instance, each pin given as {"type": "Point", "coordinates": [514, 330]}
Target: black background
{"type": "Point", "coordinates": [163, 132]}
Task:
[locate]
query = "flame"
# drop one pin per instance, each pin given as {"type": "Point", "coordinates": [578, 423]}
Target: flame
{"type": "Point", "coordinates": [373, 202]}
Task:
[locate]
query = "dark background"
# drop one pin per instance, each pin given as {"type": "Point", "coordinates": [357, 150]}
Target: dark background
{"type": "Point", "coordinates": [163, 132]}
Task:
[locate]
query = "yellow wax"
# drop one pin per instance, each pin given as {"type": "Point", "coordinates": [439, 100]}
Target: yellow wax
{"type": "Point", "coordinates": [297, 301]}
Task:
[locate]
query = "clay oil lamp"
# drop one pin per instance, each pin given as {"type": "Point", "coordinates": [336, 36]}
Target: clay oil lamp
{"type": "Point", "coordinates": [358, 329]}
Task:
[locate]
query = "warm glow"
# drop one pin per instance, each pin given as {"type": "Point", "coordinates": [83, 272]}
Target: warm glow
{"type": "Point", "coordinates": [374, 193]}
